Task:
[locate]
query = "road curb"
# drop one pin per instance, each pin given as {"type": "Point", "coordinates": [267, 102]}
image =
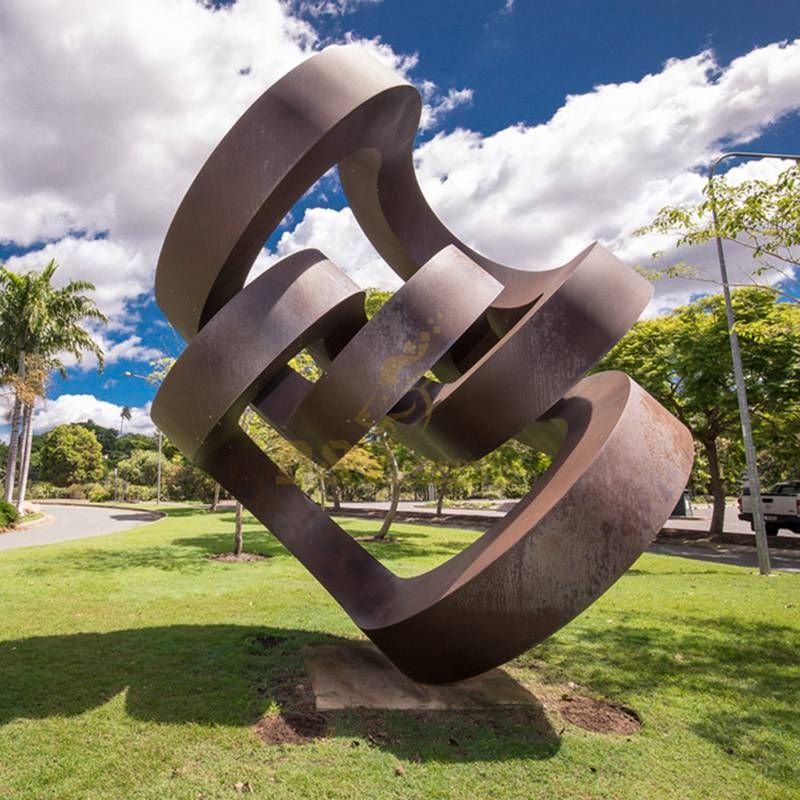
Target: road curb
{"type": "Point", "coordinates": [746, 539]}
{"type": "Point", "coordinates": [86, 504]}
{"type": "Point", "coordinates": [667, 533]}
{"type": "Point", "coordinates": [34, 523]}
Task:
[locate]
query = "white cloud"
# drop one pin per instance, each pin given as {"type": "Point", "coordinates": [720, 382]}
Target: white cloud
{"type": "Point", "coordinates": [83, 407]}
{"type": "Point", "coordinates": [131, 348]}
{"type": "Point", "coordinates": [120, 270]}
{"type": "Point", "coordinates": [110, 109]}
{"type": "Point", "coordinates": [607, 161]}
{"type": "Point", "coordinates": [338, 236]}
{"type": "Point", "coordinates": [443, 104]}
{"type": "Point", "coordinates": [328, 8]}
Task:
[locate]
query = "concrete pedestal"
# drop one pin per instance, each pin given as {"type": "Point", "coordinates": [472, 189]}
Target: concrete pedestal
{"type": "Point", "coordinates": [360, 676]}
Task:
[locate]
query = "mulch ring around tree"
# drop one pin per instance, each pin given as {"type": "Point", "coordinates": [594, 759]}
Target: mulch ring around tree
{"type": "Point", "coordinates": [234, 558]}
{"type": "Point", "coordinates": [597, 716]}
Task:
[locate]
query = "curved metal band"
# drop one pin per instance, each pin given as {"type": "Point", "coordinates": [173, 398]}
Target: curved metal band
{"type": "Point", "coordinates": [384, 360]}
{"type": "Point", "coordinates": [523, 579]}
{"type": "Point", "coordinates": [298, 300]}
{"type": "Point", "coordinates": [511, 343]}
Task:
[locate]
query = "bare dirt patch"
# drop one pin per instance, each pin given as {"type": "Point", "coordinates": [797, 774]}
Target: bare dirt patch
{"type": "Point", "coordinates": [230, 557]}
{"type": "Point", "coordinates": [300, 727]}
{"type": "Point", "coordinates": [597, 716]}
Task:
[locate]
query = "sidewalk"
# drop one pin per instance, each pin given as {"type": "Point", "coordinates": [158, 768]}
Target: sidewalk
{"type": "Point", "coordinates": [684, 528]}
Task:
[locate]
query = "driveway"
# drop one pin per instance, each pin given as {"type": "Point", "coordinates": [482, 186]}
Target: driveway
{"type": "Point", "coordinates": [76, 522]}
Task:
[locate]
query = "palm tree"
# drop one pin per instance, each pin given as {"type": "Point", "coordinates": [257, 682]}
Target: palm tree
{"type": "Point", "coordinates": [124, 416]}
{"type": "Point", "coordinates": [39, 322]}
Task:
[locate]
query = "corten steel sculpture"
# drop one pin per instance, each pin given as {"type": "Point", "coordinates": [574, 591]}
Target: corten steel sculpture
{"type": "Point", "coordinates": [510, 349]}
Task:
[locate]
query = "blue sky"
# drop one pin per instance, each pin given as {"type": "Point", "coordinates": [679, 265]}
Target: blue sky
{"type": "Point", "coordinates": [110, 109]}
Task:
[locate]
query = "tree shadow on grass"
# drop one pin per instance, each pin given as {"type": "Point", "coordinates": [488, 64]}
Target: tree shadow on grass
{"type": "Point", "coordinates": [739, 681]}
{"type": "Point", "coordinates": [181, 511]}
{"type": "Point", "coordinates": [190, 554]}
{"type": "Point", "coordinates": [136, 516]}
{"type": "Point", "coordinates": [185, 555]}
{"type": "Point", "coordinates": [231, 675]}
{"type": "Point", "coordinates": [405, 543]}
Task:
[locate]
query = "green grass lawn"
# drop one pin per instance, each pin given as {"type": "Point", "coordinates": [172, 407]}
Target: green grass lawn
{"type": "Point", "coordinates": [131, 666]}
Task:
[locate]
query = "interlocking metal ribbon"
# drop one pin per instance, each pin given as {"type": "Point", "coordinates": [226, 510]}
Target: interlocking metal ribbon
{"type": "Point", "coordinates": [510, 348]}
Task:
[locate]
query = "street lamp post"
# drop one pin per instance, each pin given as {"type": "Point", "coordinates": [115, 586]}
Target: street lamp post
{"type": "Point", "coordinates": [129, 374]}
{"type": "Point", "coordinates": [762, 546]}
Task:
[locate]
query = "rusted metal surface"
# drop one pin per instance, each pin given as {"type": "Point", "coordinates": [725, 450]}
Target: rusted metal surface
{"type": "Point", "coordinates": [510, 349]}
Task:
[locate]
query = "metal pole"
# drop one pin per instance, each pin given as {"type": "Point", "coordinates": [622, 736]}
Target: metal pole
{"type": "Point", "coordinates": [129, 374]}
{"type": "Point", "coordinates": [762, 547]}
{"type": "Point", "coordinates": [158, 479]}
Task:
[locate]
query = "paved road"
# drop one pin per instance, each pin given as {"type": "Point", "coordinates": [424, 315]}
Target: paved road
{"type": "Point", "coordinates": [702, 521]}
{"type": "Point", "coordinates": [75, 522]}
{"type": "Point", "coordinates": [739, 555]}
{"type": "Point", "coordinates": [80, 522]}
{"type": "Point", "coordinates": [423, 510]}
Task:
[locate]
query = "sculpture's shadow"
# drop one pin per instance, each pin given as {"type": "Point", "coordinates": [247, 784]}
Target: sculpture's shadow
{"type": "Point", "coordinates": [231, 675]}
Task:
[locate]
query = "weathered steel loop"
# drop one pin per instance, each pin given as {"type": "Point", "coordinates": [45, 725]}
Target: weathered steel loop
{"type": "Point", "coordinates": [512, 347]}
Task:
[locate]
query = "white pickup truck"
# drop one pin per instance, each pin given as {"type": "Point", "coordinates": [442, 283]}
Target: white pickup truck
{"type": "Point", "coordinates": [781, 507]}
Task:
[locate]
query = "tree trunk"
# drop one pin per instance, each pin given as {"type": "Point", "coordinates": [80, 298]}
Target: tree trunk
{"type": "Point", "coordinates": [394, 497]}
{"type": "Point", "coordinates": [26, 443]}
{"type": "Point", "coordinates": [717, 487]}
{"type": "Point", "coordinates": [13, 442]}
{"type": "Point", "coordinates": [322, 490]}
{"type": "Point", "coordinates": [13, 447]}
{"type": "Point", "coordinates": [238, 539]}
{"type": "Point", "coordinates": [215, 500]}
{"type": "Point", "coordinates": [336, 492]}
{"type": "Point", "coordinates": [441, 489]}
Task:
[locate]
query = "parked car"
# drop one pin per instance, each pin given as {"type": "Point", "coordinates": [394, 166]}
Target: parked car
{"type": "Point", "coordinates": [781, 507]}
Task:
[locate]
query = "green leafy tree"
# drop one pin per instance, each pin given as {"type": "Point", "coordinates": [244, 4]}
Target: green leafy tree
{"type": "Point", "coordinates": [71, 454]}
{"type": "Point", "coordinates": [684, 361]}
{"type": "Point", "coordinates": [184, 481]}
{"type": "Point", "coordinates": [187, 481]}
{"type": "Point", "coordinates": [374, 300]}
{"type": "Point", "coordinates": [140, 467]}
{"type": "Point", "coordinates": [760, 216]}
{"type": "Point", "coordinates": [106, 436]}
{"type": "Point", "coordinates": [39, 321]}
{"type": "Point", "coordinates": [508, 471]}
{"type": "Point", "coordinates": [358, 475]}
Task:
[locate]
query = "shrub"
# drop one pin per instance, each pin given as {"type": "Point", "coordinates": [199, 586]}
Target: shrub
{"type": "Point", "coordinates": [76, 491]}
{"type": "Point", "coordinates": [8, 515]}
{"type": "Point", "coordinates": [98, 493]}
{"type": "Point", "coordinates": [187, 482]}
{"type": "Point", "coordinates": [42, 490]}
{"type": "Point", "coordinates": [136, 493]}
